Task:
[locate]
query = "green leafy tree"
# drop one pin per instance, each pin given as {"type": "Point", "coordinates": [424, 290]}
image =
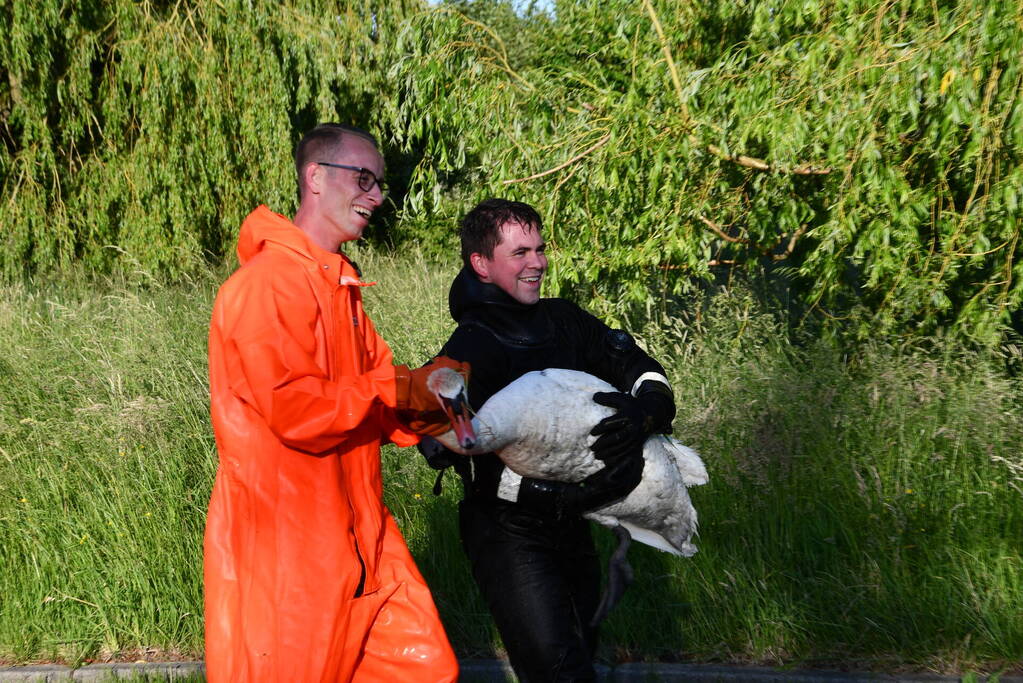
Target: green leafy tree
{"type": "Point", "coordinates": [143, 132]}
{"type": "Point", "coordinates": [870, 153]}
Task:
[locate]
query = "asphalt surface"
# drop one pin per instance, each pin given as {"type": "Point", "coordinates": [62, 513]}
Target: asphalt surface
{"type": "Point", "coordinates": [497, 671]}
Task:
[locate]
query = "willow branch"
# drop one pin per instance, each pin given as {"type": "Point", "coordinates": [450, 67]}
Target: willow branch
{"type": "Point", "coordinates": [792, 244]}
{"type": "Point", "coordinates": [498, 61]}
{"type": "Point", "coordinates": [667, 55]}
{"type": "Point", "coordinates": [741, 159]}
{"type": "Point", "coordinates": [600, 143]}
{"type": "Point", "coordinates": [760, 164]}
{"type": "Point", "coordinates": [793, 239]}
{"type": "Point", "coordinates": [721, 233]}
{"type": "Point", "coordinates": [502, 54]}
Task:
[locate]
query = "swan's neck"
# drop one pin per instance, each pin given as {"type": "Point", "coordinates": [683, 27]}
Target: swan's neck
{"type": "Point", "coordinates": [492, 434]}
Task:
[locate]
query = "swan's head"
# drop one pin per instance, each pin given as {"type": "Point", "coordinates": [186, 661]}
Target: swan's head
{"type": "Point", "coordinates": [449, 387]}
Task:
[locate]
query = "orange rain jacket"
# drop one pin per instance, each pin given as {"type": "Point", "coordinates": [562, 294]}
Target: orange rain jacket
{"type": "Point", "coordinates": [307, 577]}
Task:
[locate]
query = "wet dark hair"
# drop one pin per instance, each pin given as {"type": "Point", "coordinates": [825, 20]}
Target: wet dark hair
{"type": "Point", "coordinates": [322, 143]}
{"type": "Point", "coordinates": [481, 227]}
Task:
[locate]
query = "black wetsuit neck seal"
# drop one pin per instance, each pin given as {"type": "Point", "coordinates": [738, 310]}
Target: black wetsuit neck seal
{"type": "Point", "coordinates": [486, 305]}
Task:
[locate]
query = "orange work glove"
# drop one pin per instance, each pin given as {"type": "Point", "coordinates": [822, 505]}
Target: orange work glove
{"type": "Point", "coordinates": [432, 423]}
{"type": "Point", "coordinates": [412, 393]}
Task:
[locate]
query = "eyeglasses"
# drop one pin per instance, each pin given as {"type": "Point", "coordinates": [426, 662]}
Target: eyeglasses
{"type": "Point", "coordinates": [367, 178]}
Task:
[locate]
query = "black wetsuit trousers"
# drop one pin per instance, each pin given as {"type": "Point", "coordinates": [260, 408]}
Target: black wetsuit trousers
{"type": "Point", "coordinates": [540, 578]}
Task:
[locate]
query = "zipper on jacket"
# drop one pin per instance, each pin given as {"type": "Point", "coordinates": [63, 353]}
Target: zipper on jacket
{"type": "Point", "coordinates": [343, 290]}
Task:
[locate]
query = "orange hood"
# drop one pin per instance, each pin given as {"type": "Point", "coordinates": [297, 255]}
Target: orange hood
{"type": "Point", "coordinates": [263, 227]}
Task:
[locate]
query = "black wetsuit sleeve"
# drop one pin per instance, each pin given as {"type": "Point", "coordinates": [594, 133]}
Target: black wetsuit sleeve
{"type": "Point", "coordinates": [612, 355]}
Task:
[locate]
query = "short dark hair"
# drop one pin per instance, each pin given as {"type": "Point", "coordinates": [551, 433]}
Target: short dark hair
{"type": "Point", "coordinates": [481, 227]}
{"type": "Point", "coordinates": [322, 143]}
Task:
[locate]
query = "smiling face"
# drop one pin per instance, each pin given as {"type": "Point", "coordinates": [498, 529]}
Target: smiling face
{"type": "Point", "coordinates": [518, 263]}
{"type": "Point", "coordinates": [334, 209]}
{"type": "Point", "coordinates": [346, 205]}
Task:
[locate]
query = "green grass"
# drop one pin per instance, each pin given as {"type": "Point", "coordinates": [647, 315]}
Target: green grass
{"type": "Point", "coordinates": [863, 509]}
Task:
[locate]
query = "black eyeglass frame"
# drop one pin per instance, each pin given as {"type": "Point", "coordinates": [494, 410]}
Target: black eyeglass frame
{"type": "Point", "coordinates": [367, 178]}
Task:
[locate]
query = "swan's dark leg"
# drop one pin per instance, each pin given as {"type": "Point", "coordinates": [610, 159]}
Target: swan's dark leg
{"type": "Point", "coordinates": [619, 576]}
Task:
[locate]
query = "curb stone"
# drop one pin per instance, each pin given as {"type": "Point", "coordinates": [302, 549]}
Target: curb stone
{"type": "Point", "coordinates": [100, 673]}
{"type": "Point", "coordinates": [499, 671]}
{"type": "Point", "coordinates": [700, 673]}
{"type": "Point", "coordinates": [46, 672]}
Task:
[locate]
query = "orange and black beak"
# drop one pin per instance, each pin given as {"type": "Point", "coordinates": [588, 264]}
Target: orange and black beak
{"type": "Point", "coordinates": [460, 414]}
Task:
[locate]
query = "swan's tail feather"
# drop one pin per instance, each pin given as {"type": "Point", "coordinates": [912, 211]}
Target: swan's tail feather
{"type": "Point", "coordinates": [690, 466]}
{"type": "Point", "coordinates": [656, 540]}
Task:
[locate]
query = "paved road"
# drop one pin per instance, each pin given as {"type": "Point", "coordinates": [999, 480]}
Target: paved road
{"type": "Point", "coordinates": [496, 671]}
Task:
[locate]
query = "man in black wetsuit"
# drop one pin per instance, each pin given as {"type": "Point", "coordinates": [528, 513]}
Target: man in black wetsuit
{"type": "Point", "coordinates": [531, 551]}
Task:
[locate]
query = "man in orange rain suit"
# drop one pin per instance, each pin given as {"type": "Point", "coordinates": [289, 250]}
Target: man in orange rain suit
{"type": "Point", "coordinates": [307, 577]}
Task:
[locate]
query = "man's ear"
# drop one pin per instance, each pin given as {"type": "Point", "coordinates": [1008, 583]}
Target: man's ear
{"type": "Point", "coordinates": [480, 265]}
{"type": "Point", "coordinates": [312, 174]}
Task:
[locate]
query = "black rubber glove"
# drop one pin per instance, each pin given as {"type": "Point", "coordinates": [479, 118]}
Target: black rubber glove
{"type": "Point", "coordinates": [637, 417]}
{"type": "Point", "coordinates": [561, 499]}
{"type": "Point", "coordinates": [437, 456]}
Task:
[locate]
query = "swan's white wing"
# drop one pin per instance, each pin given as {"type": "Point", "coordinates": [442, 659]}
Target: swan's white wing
{"type": "Point", "coordinates": [540, 427]}
{"type": "Point", "coordinates": [553, 412]}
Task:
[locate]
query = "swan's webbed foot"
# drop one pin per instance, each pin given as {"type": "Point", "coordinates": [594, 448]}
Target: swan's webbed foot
{"type": "Point", "coordinates": [619, 576]}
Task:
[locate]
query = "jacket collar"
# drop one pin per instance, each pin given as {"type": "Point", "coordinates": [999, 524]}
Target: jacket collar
{"type": "Point", "coordinates": [487, 305]}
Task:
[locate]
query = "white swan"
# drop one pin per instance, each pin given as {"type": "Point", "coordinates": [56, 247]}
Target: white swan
{"type": "Point", "coordinates": [539, 425]}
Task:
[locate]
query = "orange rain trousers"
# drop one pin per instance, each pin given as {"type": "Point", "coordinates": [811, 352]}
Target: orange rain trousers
{"type": "Point", "coordinates": [307, 576]}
